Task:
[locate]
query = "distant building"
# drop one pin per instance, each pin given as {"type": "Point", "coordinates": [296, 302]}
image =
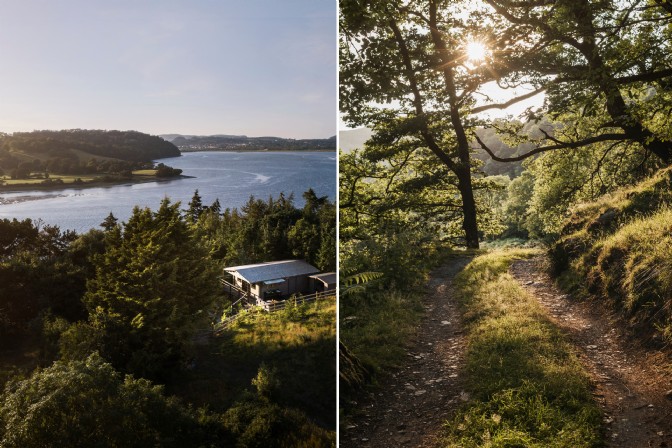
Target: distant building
{"type": "Point", "coordinates": [277, 280]}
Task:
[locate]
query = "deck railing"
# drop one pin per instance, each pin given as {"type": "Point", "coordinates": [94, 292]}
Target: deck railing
{"type": "Point", "coordinates": [274, 306]}
{"type": "Point", "coordinates": [277, 305]}
{"type": "Point", "coordinates": [234, 291]}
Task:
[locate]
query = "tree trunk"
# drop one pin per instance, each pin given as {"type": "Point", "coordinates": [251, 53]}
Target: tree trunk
{"type": "Point", "coordinates": [469, 223]}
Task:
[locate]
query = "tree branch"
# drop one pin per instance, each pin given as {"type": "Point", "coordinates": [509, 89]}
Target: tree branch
{"type": "Point", "coordinates": [560, 145]}
{"type": "Point", "coordinates": [508, 103]}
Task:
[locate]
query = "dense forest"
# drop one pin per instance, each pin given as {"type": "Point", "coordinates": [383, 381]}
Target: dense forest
{"type": "Point", "coordinates": [244, 143]}
{"type": "Point", "coordinates": [99, 332]}
{"type": "Point", "coordinates": [583, 176]}
{"type": "Point", "coordinates": [55, 156]}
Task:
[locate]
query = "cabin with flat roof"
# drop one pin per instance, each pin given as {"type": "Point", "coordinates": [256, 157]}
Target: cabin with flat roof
{"type": "Point", "coordinates": [275, 280]}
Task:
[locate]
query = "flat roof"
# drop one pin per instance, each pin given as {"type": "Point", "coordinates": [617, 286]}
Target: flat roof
{"type": "Point", "coordinates": [272, 270]}
{"type": "Point", "coordinates": [326, 277]}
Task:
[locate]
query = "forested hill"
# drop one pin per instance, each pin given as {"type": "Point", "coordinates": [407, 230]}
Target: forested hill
{"type": "Point", "coordinates": [81, 145]}
{"type": "Point", "coordinates": [245, 143]}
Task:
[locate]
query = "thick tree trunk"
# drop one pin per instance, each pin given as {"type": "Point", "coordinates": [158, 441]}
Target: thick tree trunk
{"type": "Point", "coordinates": [463, 168]}
{"type": "Point", "coordinates": [469, 223]}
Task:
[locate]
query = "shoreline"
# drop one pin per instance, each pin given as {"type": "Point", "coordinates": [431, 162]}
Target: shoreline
{"type": "Point", "coordinates": [56, 188]}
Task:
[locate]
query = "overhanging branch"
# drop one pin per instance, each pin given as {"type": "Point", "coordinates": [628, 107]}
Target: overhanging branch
{"type": "Point", "coordinates": [508, 103]}
{"type": "Point", "coordinates": [560, 145]}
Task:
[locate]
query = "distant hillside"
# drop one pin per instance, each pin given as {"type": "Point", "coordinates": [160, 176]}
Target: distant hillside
{"type": "Point", "coordinates": [243, 143]}
{"type": "Point", "coordinates": [77, 156]}
{"type": "Point", "coordinates": [130, 146]}
{"type": "Point", "coordinates": [353, 139]}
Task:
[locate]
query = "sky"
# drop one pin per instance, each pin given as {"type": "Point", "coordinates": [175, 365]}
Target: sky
{"type": "Point", "coordinates": [201, 67]}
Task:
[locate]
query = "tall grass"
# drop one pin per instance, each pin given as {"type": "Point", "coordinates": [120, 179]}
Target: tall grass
{"type": "Point", "coordinates": [298, 344]}
{"type": "Point", "coordinates": [526, 385]}
{"type": "Point", "coordinates": [377, 328]}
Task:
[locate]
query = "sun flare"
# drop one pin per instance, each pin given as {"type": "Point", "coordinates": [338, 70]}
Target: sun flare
{"type": "Point", "coordinates": [475, 51]}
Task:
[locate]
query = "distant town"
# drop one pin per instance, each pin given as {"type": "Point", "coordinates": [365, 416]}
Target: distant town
{"type": "Point", "coordinates": [187, 143]}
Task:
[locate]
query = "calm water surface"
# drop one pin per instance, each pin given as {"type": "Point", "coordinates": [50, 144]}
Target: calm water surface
{"type": "Point", "coordinates": [231, 177]}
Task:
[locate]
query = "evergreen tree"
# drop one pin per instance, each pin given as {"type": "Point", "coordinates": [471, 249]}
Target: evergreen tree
{"type": "Point", "coordinates": [109, 223]}
{"type": "Point", "coordinates": [195, 207]}
{"type": "Point", "coordinates": [150, 285]}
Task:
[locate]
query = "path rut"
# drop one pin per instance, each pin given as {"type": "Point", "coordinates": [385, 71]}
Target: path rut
{"type": "Point", "coordinates": [410, 405]}
{"type": "Point", "coordinates": [632, 383]}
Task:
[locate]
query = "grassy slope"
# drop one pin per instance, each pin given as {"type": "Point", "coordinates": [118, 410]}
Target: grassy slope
{"type": "Point", "coordinates": [299, 342]}
{"type": "Point", "coordinates": [618, 249]}
{"type": "Point", "coordinates": [527, 386]}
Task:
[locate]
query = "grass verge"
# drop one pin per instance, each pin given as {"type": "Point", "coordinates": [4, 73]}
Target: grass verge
{"type": "Point", "coordinates": [526, 385]}
{"type": "Point", "coordinates": [378, 327]}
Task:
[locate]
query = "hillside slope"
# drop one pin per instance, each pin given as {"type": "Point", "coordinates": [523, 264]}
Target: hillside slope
{"type": "Point", "coordinates": [124, 145]}
{"type": "Point", "coordinates": [618, 249]}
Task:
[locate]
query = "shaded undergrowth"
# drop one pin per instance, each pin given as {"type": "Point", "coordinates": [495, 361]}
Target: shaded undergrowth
{"type": "Point", "coordinates": [526, 385]}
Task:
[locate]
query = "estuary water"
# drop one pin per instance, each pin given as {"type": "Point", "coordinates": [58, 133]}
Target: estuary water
{"type": "Point", "coordinates": [229, 176]}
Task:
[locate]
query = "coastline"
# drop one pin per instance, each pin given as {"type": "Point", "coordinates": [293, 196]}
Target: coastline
{"type": "Point", "coordinates": [57, 188]}
{"type": "Point", "coordinates": [7, 189]}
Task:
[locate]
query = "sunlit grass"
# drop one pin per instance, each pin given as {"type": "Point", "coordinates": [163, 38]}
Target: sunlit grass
{"type": "Point", "coordinates": [617, 249]}
{"type": "Point", "coordinates": [300, 343]}
{"type": "Point", "coordinates": [291, 327]}
{"type": "Point", "coordinates": [632, 267]}
{"type": "Point", "coordinates": [527, 386]}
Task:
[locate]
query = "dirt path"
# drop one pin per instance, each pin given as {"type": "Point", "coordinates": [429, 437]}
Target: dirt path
{"type": "Point", "coordinates": [411, 405]}
{"type": "Point", "coordinates": [631, 383]}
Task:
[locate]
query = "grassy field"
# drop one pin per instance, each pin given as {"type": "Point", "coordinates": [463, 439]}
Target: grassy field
{"type": "Point", "coordinates": [58, 181]}
{"type": "Point", "coordinates": [66, 179]}
{"type": "Point", "coordinates": [144, 172]}
{"type": "Point", "coordinates": [526, 385]}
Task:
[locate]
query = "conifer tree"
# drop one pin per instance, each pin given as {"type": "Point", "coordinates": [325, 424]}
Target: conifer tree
{"type": "Point", "coordinates": [150, 286]}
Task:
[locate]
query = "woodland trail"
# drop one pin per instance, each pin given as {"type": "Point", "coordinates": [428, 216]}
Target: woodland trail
{"type": "Point", "coordinates": [410, 406]}
{"type": "Point", "coordinates": [631, 383]}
